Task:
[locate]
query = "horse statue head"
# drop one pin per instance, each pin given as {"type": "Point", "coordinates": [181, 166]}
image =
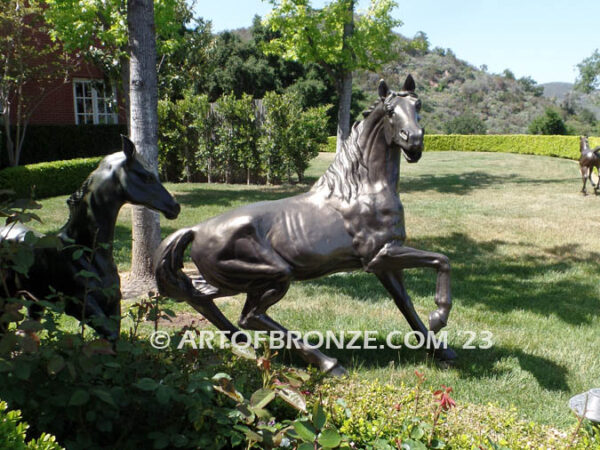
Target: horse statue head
{"type": "Point", "coordinates": [401, 126]}
{"type": "Point", "coordinates": [124, 176]}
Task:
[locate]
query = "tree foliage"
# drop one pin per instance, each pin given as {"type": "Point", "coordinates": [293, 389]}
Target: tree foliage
{"type": "Point", "coordinates": [467, 123]}
{"type": "Point", "coordinates": [548, 123]}
{"type": "Point", "coordinates": [337, 39]}
{"type": "Point", "coordinates": [29, 67]}
{"type": "Point", "coordinates": [239, 140]}
{"type": "Point", "coordinates": [589, 73]}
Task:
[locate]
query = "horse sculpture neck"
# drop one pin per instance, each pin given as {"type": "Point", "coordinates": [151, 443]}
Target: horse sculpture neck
{"type": "Point", "coordinates": [92, 214]}
{"type": "Point", "coordinates": [365, 164]}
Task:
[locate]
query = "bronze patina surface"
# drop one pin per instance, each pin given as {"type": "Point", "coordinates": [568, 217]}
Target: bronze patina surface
{"type": "Point", "coordinates": [589, 159]}
{"type": "Point", "coordinates": [351, 219]}
{"type": "Point", "coordinates": [120, 178]}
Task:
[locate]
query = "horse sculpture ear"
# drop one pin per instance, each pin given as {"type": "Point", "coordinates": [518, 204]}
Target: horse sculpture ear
{"type": "Point", "coordinates": [128, 148]}
{"type": "Point", "coordinates": [409, 84]}
{"type": "Point", "coordinates": [383, 89]}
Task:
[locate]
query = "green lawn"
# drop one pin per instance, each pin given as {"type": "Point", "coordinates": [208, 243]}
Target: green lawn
{"type": "Point", "coordinates": [525, 256]}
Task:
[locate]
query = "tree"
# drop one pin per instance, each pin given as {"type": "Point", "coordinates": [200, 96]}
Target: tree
{"type": "Point", "coordinates": [143, 123]}
{"type": "Point", "coordinates": [97, 31]}
{"type": "Point", "coordinates": [335, 38]}
{"type": "Point", "coordinates": [548, 123]}
{"type": "Point", "coordinates": [589, 73]}
{"type": "Point", "coordinates": [31, 69]}
{"type": "Point", "coordinates": [467, 123]}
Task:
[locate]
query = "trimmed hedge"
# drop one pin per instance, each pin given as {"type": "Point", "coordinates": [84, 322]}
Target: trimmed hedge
{"type": "Point", "coordinates": [330, 147]}
{"type": "Point", "coordinates": [48, 179]}
{"type": "Point", "coordinates": [528, 144]}
{"type": "Point", "coordinates": [60, 142]}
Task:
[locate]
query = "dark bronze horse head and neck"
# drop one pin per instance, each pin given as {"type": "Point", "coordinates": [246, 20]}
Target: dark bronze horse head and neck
{"type": "Point", "coordinates": [120, 178]}
{"type": "Point", "coordinates": [352, 219]}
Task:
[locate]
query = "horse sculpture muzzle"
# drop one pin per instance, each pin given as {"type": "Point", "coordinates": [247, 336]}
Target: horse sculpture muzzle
{"type": "Point", "coordinates": [412, 146]}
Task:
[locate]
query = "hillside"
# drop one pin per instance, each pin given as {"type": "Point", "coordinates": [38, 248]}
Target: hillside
{"type": "Point", "coordinates": [450, 87]}
{"type": "Point", "coordinates": [557, 89]}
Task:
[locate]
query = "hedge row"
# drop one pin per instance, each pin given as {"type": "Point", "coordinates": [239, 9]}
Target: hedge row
{"type": "Point", "coordinates": [60, 142]}
{"type": "Point", "coordinates": [529, 144]}
{"type": "Point", "coordinates": [48, 179]}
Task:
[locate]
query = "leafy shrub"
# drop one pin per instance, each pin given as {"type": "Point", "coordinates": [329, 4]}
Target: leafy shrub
{"type": "Point", "coordinates": [548, 123]}
{"type": "Point", "coordinates": [13, 433]}
{"type": "Point", "coordinates": [467, 123]}
{"type": "Point", "coordinates": [290, 136]}
{"type": "Point", "coordinates": [559, 146]}
{"type": "Point", "coordinates": [47, 179]}
{"type": "Point", "coordinates": [234, 140]}
{"type": "Point", "coordinates": [330, 146]}
{"type": "Point", "coordinates": [375, 415]}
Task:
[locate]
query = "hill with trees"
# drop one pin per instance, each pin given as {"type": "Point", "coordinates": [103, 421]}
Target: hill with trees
{"type": "Point", "coordinates": [461, 98]}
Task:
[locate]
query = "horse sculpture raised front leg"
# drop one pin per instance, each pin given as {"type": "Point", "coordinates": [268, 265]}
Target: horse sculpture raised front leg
{"type": "Point", "coordinates": [388, 266]}
{"type": "Point", "coordinates": [351, 219]}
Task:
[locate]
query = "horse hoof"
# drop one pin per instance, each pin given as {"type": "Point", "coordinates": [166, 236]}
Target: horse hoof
{"type": "Point", "coordinates": [337, 371]}
{"type": "Point", "coordinates": [445, 355]}
{"type": "Point", "coordinates": [436, 323]}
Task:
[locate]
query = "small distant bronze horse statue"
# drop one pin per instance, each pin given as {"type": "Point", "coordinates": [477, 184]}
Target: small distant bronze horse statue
{"type": "Point", "coordinates": [120, 178]}
{"type": "Point", "coordinates": [351, 219]}
{"type": "Point", "coordinates": [589, 159]}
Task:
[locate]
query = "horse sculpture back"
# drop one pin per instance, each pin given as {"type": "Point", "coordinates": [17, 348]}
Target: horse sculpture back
{"type": "Point", "coordinates": [120, 178]}
{"type": "Point", "coordinates": [351, 219]}
{"type": "Point", "coordinates": [589, 159]}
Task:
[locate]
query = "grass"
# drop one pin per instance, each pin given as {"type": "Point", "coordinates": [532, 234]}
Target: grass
{"type": "Point", "coordinates": [524, 248]}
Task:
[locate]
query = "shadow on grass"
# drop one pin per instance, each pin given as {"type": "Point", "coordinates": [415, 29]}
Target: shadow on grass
{"type": "Point", "coordinates": [464, 183]}
{"type": "Point", "coordinates": [481, 277]}
{"type": "Point", "coordinates": [476, 363]}
{"type": "Point", "coordinates": [232, 195]}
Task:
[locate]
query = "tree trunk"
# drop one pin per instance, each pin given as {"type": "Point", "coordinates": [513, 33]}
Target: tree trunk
{"type": "Point", "coordinates": [345, 93]}
{"type": "Point", "coordinates": [345, 83]}
{"type": "Point", "coordinates": [125, 88]}
{"type": "Point", "coordinates": [143, 122]}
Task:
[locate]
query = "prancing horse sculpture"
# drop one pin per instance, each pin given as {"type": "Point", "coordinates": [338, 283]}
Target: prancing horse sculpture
{"type": "Point", "coordinates": [351, 219]}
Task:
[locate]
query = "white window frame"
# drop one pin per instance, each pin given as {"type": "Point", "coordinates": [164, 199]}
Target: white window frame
{"type": "Point", "coordinates": [114, 117]}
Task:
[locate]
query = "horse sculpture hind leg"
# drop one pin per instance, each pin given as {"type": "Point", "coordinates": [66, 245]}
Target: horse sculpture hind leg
{"type": "Point", "coordinates": [254, 317]}
{"type": "Point", "coordinates": [585, 174]}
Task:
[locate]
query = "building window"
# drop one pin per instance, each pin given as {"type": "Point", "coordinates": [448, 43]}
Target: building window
{"type": "Point", "coordinates": [94, 102]}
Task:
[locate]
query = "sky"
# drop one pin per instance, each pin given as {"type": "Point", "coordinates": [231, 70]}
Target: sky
{"type": "Point", "coordinates": [544, 39]}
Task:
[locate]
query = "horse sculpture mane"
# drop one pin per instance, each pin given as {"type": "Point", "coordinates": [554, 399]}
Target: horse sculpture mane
{"type": "Point", "coordinates": [349, 170]}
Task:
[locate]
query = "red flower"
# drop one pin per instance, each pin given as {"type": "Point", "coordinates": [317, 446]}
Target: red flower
{"type": "Point", "coordinates": [444, 399]}
{"type": "Point", "coordinates": [420, 376]}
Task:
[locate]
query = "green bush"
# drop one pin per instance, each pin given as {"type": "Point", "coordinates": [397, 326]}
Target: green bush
{"type": "Point", "coordinates": [47, 179]}
{"type": "Point", "coordinates": [378, 415]}
{"type": "Point", "coordinates": [330, 146]}
{"type": "Point", "coordinates": [550, 123]}
{"type": "Point", "coordinates": [559, 146]}
{"type": "Point", "coordinates": [13, 433]}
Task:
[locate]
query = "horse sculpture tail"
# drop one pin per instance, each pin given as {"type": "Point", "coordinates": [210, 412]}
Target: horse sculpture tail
{"type": "Point", "coordinates": [168, 264]}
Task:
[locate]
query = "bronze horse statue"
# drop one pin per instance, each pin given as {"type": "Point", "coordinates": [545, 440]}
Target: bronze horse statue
{"type": "Point", "coordinates": [351, 219]}
{"type": "Point", "coordinates": [120, 178]}
{"type": "Point", "coordinates": [589, 159]}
